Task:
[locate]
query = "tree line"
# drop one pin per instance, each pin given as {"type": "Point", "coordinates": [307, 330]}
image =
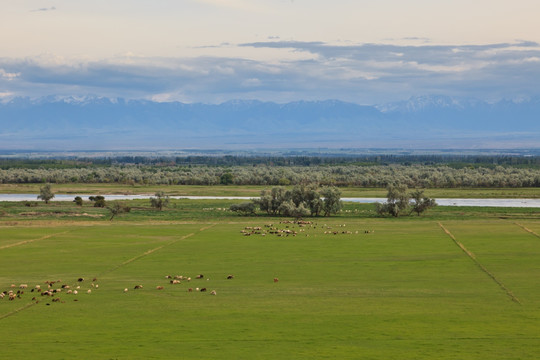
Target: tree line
{"type": "Point", "coordinates": [413, 176]}
{"type": "Point", "coordinates": [291, 158]}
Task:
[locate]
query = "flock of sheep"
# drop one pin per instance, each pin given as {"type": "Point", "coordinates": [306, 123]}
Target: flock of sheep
{"type": "Point", "coordinates": [50, 290]}
{"type": "Point", "coordinates": [288, 228]}
{"type": "Point", "coordinates": [177, 279]}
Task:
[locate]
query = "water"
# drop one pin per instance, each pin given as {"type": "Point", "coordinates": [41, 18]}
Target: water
{"type": "Point", "coordinates": [528, 203]}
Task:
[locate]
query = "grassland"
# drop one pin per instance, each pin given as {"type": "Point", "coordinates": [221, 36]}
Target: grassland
{"type": "Point", "coordinates": [233, 190]}
{"type": "Point", "coordinates": [380, 288]}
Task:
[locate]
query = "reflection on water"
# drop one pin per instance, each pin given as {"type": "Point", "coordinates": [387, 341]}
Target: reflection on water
{"type": "Point", "coordinates": [441, 202]}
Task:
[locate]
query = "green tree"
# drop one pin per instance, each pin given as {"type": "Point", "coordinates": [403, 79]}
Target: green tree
{"type": "Point", "coordinates": [78, 200]}
{"type": "Point", "coordinates": [45, 193]}
{"type": "Point", "coordinates": [226, 178]}
{"type": "Point", "coordinates": [332, 203]}
{"type": "Point", "coordinates": [397, 201]}
{"type": "Point", "coordinates": [420, 202]}
{"type": "Point", "coordinates": [270, 201]}
{"type": "Point", "coordinates": [117, 209]}
{"type": "Point", "coordinates": [160, 201]}
{"type": "Point", "coordinates": [246, 208]}
{"type": "Point", "coordinates": [99, 201]}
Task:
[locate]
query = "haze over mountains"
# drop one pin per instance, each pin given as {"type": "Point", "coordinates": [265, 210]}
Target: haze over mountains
{"type": "Point", "coordinates": [436, 122]}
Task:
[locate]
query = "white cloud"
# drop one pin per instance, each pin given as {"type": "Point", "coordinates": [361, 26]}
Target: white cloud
{"type": "Point", "coordinates": [361, 73]}
{"type": "Point", "coordinates": [7, 75]}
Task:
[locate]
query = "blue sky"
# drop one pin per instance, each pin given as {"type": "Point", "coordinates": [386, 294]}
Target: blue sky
{"type": "Point", "coordinates": [211, 51]}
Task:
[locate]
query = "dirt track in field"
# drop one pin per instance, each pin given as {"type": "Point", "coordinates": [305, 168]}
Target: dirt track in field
{"type": "Point", "coordinates": [482, 267]}
{"type": "Point", "coordinates": [528, 230]}
{"type": "Point", "coordinates": [31, 240]}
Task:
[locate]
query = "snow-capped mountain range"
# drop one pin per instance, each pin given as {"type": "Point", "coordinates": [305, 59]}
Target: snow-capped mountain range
{"type": "Point", "coordinates": [61, 123]}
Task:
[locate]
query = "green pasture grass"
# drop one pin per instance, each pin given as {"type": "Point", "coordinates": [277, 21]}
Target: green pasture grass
{"type": "Point", "coordinates": [397, 289]}
{"type": "Point", "coordinates": [16, 213]}
{"type": "Point", "coordinates": [255, 190]}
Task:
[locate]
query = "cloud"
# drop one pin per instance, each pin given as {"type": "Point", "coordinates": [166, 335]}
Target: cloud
{"type": "Point", "coordinates": [364, 73]}
{"type": "Point", "coordinates": [7, 75]}
{"type": "Point", "coordinates": [44, 9]}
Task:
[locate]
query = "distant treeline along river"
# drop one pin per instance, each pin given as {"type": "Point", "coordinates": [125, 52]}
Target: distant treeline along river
{"type": "Point", "coordinates": [442, 202]}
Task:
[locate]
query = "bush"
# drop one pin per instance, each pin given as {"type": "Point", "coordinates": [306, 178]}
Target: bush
{"type": "Point", "coordinates": [245, 208]}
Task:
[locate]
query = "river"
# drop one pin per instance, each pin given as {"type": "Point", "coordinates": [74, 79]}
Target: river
{"type": "Point", "coordinates": [524, 203]}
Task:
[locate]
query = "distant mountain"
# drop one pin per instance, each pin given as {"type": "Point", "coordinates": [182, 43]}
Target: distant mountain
{"type": "Point", "coordinates": [68, 123]}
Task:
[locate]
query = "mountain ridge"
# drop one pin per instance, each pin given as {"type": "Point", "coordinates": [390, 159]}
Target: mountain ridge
{"type": "Point", "coordinates": [429, 120]}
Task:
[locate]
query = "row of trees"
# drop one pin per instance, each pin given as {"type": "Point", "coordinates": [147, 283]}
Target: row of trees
{"type": "Point", "coordinates": [400, 201]}
{"type": "Point", "coordinates": [414, 176]}
{"type": "Point", "coordinates": [300, 201]}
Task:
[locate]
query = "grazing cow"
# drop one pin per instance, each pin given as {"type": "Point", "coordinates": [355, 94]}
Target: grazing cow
{"type": "Point", "coordinates": [2, 295]}
{"type": "Point", "coordinates": [75, 292]}
{"type": "Point", "coordinates": [56, 299]}
{"type": "Point", "coordinates": [23, 286]}
{"type": "Point", "coordinates": [200, 276]}
{"type": "Point", "coordinates": [230, 277]}
{"type": "Point", "coordinates": [203, 289]}
{"type": "Point", "coordinates": [80, 279]}
{"type": "Point", "coordinates": [159, 287]}
{"type": "Point", "coordinates": [137, 287]}
{"type": "Point", "coordinates": [213, 292]}
{"type": "Point", "coordinates": [94, 279]}
{"type": "Point", "coordinates": [89, 291]}
{"type": "Point", "coordinates": [190, 290]}
{"type": "Point", "coordinates": [276, 280]}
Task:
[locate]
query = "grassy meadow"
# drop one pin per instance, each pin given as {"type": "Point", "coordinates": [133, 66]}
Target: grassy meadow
{"type": "Point", "coordinates": [456, 283]}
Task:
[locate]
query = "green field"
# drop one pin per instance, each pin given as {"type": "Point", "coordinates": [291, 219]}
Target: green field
{"type": "Point", "coordinates": [380, 288]}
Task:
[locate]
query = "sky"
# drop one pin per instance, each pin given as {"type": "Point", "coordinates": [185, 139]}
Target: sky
{"type": "Point", "coordinates": [211, 51]}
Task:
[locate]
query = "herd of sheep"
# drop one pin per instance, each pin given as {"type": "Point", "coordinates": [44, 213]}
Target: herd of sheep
{"type": "Point", "coordinates": [298, 227]}
{"type": "Point", "coordinates": [50, 290]}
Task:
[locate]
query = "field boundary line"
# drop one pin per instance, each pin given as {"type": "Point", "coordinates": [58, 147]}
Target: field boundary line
{"type": "Point", "coordinates": [527, 229]}
{"type": "Point", "coordinates": [2, 317]}
{"type": "Point", "coordinates": [482, 267]}
{"type": "Point", "coordinates": [32, 240]}
{"type": "Point", "coordinates": [148, 252]}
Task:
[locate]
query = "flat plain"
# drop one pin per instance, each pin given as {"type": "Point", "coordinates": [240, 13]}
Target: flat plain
{"type": "Point", "coordinates": [448, 285]}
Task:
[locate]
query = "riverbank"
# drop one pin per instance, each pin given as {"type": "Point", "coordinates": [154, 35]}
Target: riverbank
{"type": "Point", "coordinates": [523, 203]}
{"type": "Point", "coordinates": [254, 191]}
